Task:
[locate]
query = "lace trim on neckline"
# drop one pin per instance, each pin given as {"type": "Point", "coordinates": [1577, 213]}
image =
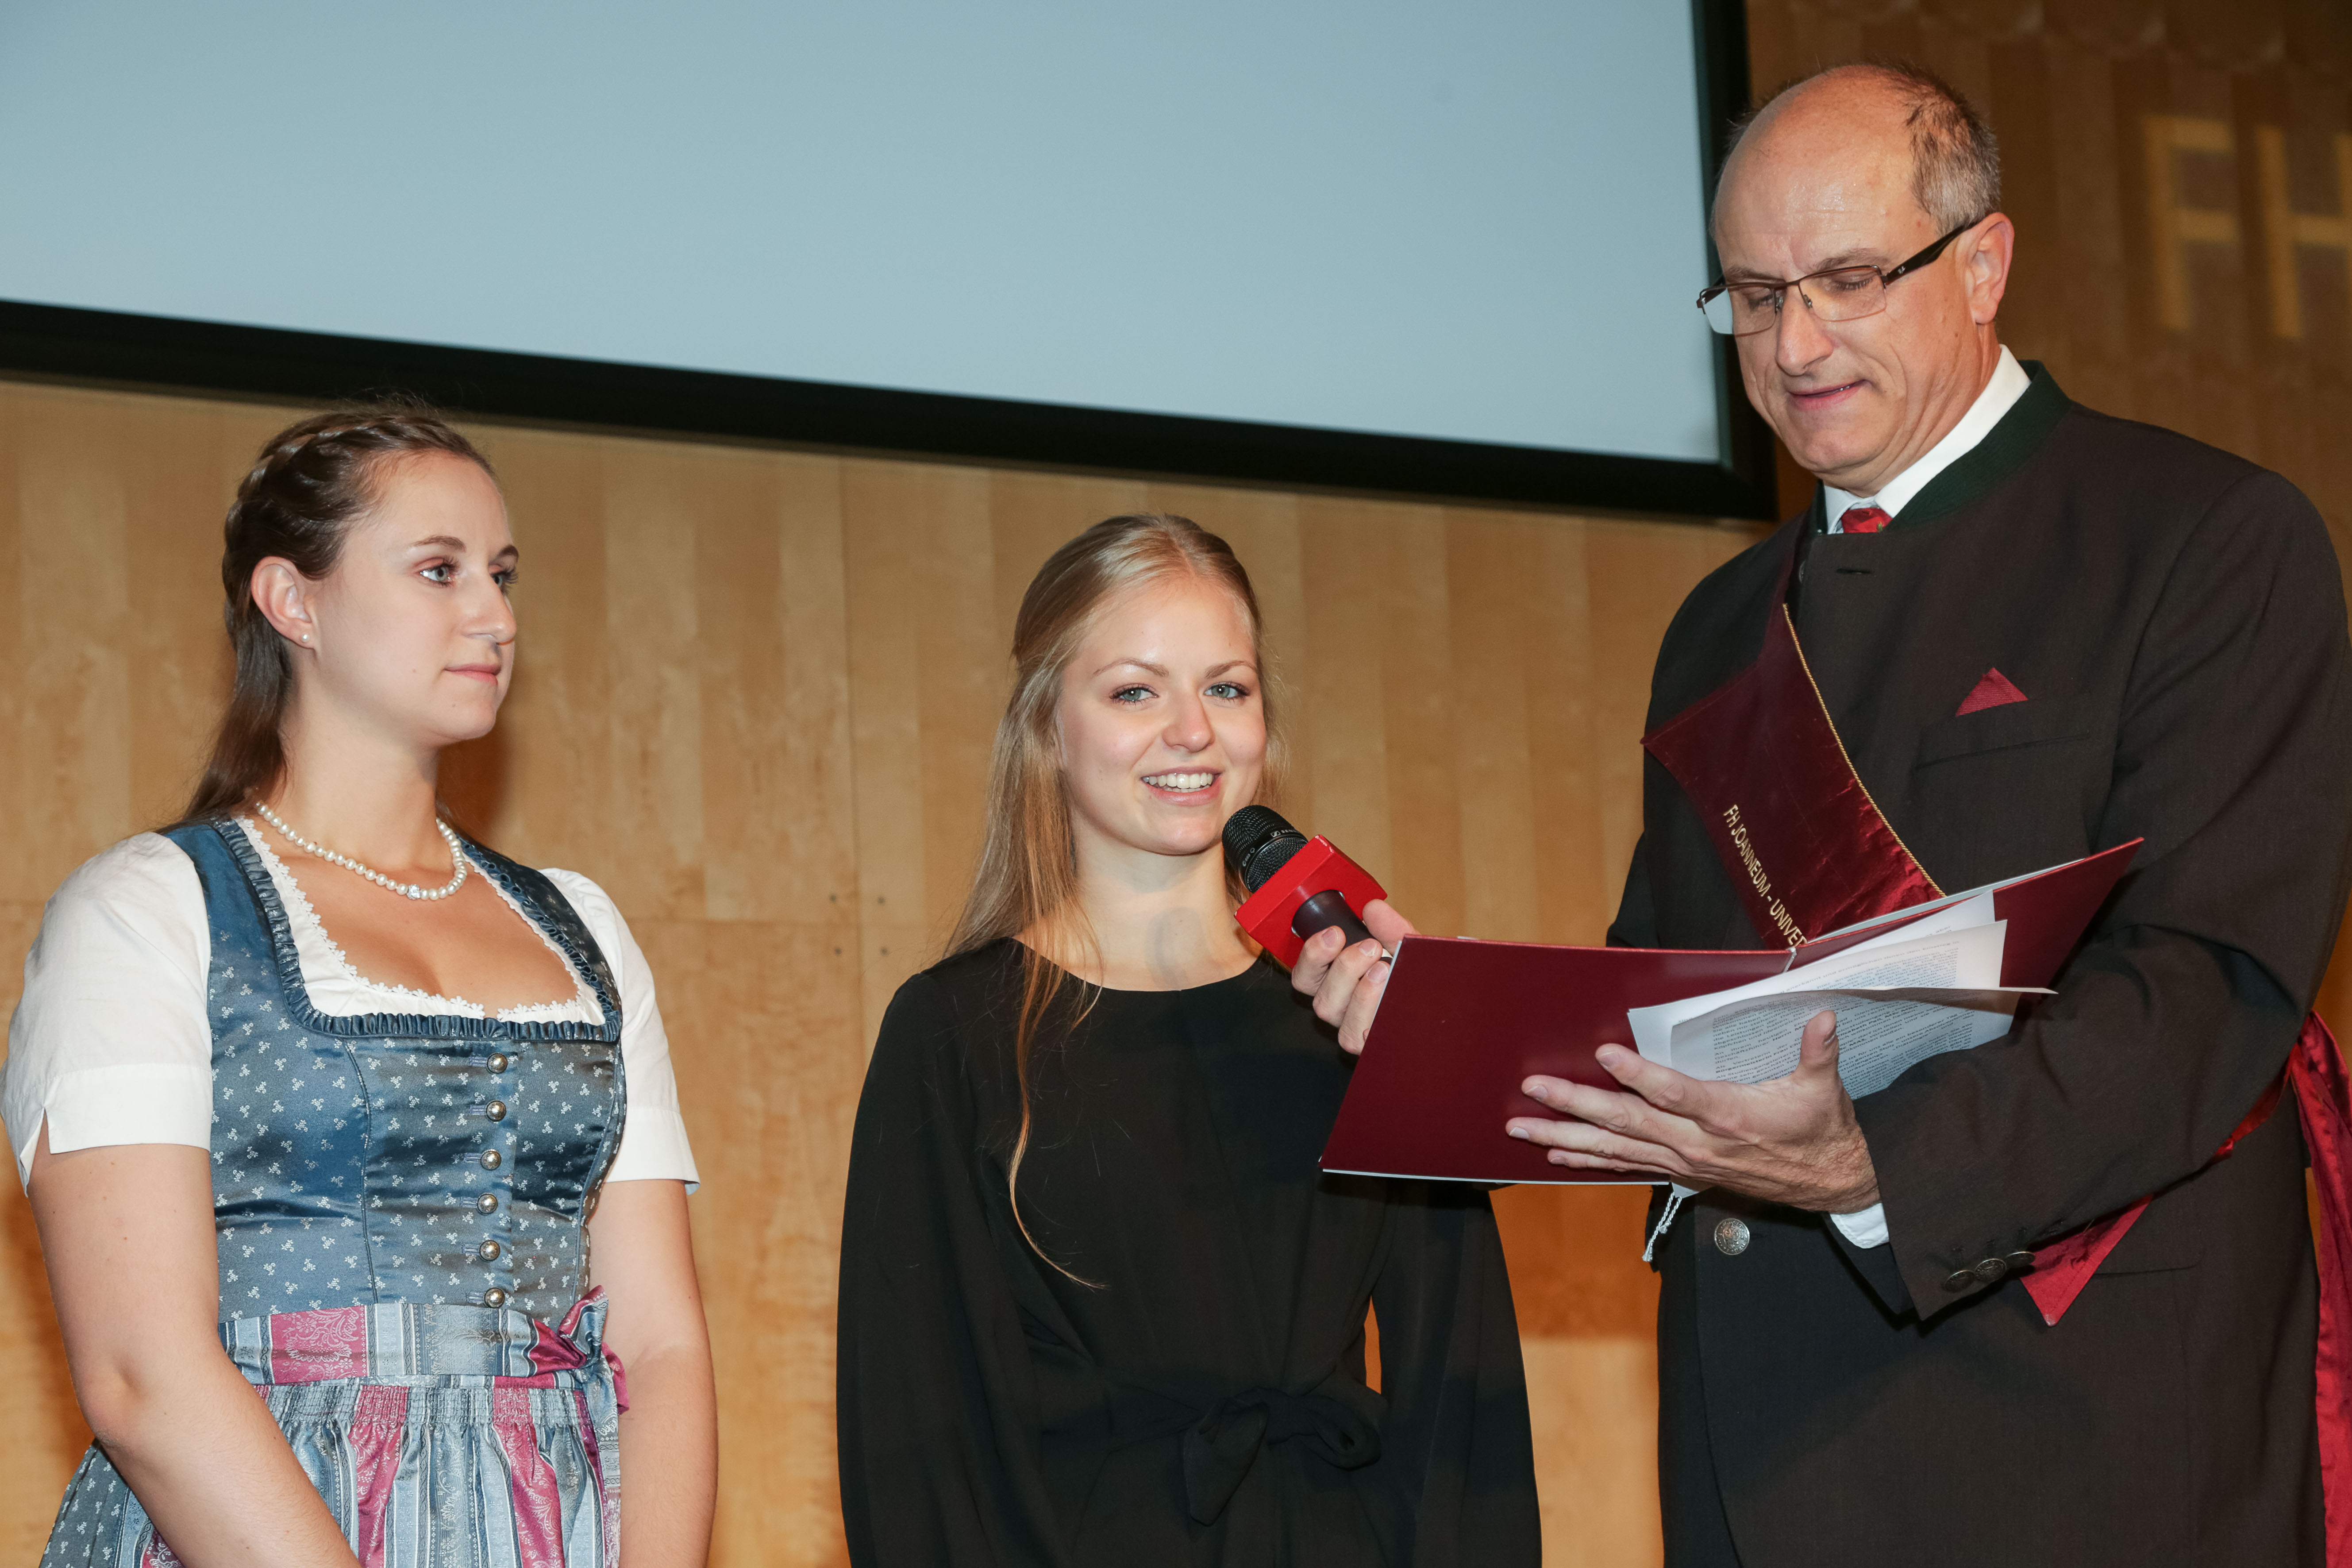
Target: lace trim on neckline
{"type": "Point", "coordinates": [298, 909]}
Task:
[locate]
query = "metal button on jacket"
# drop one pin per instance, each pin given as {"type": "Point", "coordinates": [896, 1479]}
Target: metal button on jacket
{"type": "Point", "coordinates": [2016, 1260]}
{"type": "Point", "coordinates": [1731, 1237]}
{"type": "Point", "coordinates": [488, 1250]}
{"type": "Point", "coordinates": [487, 1203]}
{"type": "Point", "coordinates": [496, 1110]}
{"type": "Point", "coordinates": [498, 1061]}
{"type": "Point", "coordinates": [490, 1159]}
{"type": "Point", "coordinates": [494, 1297]}
{"type": "Point", "coordinates": [1959, 1279]}
{"type": "Point", "coordinates": [1989, 1270]}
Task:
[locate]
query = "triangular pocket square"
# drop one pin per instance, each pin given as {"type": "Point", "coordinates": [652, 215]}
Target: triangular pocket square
{"type": "Point", "coordinates": [1994, 690]}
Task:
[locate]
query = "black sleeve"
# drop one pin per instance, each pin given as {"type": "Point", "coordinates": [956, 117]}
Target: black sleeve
{"type": "Point", "coordinates": [1455, 1443]}
{"type": "Point", "coordinates": [2233, 759]}
{"type": "Point", "coordinates": [938, 1407]}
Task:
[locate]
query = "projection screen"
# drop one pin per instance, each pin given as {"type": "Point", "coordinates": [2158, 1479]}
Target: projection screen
{"type": "Point", "coordinates": [1470, 231]}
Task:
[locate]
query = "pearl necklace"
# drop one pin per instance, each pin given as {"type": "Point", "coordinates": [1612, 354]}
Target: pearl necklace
{"type": "Point", "coordinates": [406, 889]}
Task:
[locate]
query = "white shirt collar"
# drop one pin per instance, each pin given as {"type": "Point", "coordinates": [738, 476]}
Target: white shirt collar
{"type": "Point", "coordinates": [2001, 394]}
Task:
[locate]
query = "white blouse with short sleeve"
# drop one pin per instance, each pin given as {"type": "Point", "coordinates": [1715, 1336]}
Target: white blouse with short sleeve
{"type": "Point", "coordinates": [110, 1043]}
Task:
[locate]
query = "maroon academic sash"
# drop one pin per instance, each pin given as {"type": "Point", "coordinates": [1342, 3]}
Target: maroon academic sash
{"type": "Point", "coordinates": [1810, 852]}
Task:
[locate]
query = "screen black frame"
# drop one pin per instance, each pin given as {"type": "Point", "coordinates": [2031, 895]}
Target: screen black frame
{"type": "Point", "coordinates": [161, 352]}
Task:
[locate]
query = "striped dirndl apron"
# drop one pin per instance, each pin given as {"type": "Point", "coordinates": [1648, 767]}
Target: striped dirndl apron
{"type": "Point", "coordinates": [453, 1436]}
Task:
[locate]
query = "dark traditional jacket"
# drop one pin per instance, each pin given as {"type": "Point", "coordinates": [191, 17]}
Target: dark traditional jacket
{"type": "Point", "coordinates": [2175, 618]}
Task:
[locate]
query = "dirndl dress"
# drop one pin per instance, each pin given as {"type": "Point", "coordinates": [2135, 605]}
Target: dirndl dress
{"type": "Point", "coordinates": [401, 1203]}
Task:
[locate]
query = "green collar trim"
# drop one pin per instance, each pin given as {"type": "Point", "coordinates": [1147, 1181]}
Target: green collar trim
{"type": "Point", "coordinates": [1974, 474]}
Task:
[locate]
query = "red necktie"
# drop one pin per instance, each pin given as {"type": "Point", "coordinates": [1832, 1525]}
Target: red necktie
{"type": "Point", "coordinates": [1863, 520]}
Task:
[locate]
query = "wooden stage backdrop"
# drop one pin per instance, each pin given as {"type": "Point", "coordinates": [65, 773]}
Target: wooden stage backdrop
{"type": "Point", "coordinates": [757, 688]}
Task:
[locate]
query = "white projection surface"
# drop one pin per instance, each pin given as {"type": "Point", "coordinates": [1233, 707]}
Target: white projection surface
{"type": "Point", "coordinates": [1480, 220]}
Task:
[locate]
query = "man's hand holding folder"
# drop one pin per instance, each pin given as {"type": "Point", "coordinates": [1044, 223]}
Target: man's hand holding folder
{"type": "Point", "coordinates": [1463, 1035]}
{"type": "Point", "coordinates": [1790, 1140]}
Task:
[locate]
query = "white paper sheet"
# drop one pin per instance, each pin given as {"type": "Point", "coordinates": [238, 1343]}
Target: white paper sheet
{"type": "Point", "coordinates": [1899, 999]}
{"type": "Point", "coordinates": [1958, 913]}
{"type": "Point", "coordinates": [1881, 1033]}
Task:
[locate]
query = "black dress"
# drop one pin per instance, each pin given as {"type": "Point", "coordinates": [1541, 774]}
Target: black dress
{"type": "Point", "coordinates": [1200, 1397]}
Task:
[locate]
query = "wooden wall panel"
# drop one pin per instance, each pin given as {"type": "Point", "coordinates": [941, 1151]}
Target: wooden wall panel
{"type": "Point", "coordinates": [1340, 720]}
{"type": "Point", "coordinates": [656, 505]}
{"type": "Point", "coordinates": [1494, 781]}
{"type": "Point", "coordinates": [1595, 1422]}
{"type": "Point", "coordinates": [76, 668]}
{"type": "Point", "coordinates": [924, 683]}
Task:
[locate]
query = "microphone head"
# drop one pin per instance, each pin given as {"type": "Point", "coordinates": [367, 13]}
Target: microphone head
{"type": "Point", "coordinates": [1258, 842]}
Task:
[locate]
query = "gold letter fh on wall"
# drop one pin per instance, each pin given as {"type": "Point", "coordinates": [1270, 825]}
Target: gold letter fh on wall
{"type": "Point", "coordinates": [2174, 227]}
{"type": "Point", "coordinates": [2285, 229]}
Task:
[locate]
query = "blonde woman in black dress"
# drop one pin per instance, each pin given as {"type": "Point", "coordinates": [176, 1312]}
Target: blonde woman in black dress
{"type": "Point", "coordinates": [1097, 1303]}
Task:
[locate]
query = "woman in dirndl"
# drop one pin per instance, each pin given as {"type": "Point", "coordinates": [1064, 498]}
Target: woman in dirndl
{"type": "Point", "coordinates": [320, 1100]}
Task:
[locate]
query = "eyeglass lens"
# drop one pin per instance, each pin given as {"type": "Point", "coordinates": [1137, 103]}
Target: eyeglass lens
{"type": "Point", "coordinates": [1844, 295]}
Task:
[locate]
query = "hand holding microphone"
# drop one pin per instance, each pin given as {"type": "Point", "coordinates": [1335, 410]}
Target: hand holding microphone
{"type": "Point", "coordinates": [1300, 889]}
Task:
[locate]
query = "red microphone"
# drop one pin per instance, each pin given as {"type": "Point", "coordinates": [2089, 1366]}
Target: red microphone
{"type": "Point", "coordinates": [1297, 886]}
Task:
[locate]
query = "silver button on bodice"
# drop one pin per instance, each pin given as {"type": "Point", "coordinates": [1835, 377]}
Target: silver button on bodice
{"type": "Point", "coordinates": [487, 1203]}
{"type": "Point", "coordinates": [491, 1159]}
{"type": "Point", "coordinates": [1731, 1237]}
{"type": "Point", "coordinates": [498, 1061]}
{"type": "Point", "coordinates": [488, 1251]}
{"type": "Point", "coordinates": [494, 1297]}
{"type": "Point", "coordinates": [497, 1110]}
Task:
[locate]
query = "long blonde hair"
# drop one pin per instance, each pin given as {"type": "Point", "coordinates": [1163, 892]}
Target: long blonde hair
{"type": "Point", "coordinates": [1026, 883]}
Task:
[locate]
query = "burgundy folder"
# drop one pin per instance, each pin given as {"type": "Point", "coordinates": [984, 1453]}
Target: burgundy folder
{"type": "Point", "coordinates": [1463, 1023]}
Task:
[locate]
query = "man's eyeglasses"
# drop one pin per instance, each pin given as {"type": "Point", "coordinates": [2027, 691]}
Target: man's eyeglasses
{"type": "Point", "coordinates": [1840, 294]}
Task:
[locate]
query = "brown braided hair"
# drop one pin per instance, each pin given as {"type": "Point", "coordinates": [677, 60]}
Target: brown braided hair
{"type": "Point", "coordinates": [312, 481]}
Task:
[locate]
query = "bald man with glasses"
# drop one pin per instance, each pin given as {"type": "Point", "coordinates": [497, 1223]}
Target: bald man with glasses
{"type": "Point", "coordinates": [2051, 1300]}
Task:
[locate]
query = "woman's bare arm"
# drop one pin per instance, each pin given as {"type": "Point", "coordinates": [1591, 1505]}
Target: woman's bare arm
{"type": "Point", "coordinates": [643, 1257]}
{"type": "Point", "coordinates": [127, 1232]}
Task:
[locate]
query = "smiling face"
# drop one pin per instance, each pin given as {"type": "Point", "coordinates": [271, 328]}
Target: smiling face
{"type": "Point", "coordinates": [1161, 721]}
{"type": "Point", "coordinates": [1824, 179]}
{"type": "Point", "coordinates": [411, 635]}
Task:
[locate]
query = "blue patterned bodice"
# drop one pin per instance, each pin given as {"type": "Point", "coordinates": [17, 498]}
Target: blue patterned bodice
{"type": "Point", "coordinates": [429, 1158]}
